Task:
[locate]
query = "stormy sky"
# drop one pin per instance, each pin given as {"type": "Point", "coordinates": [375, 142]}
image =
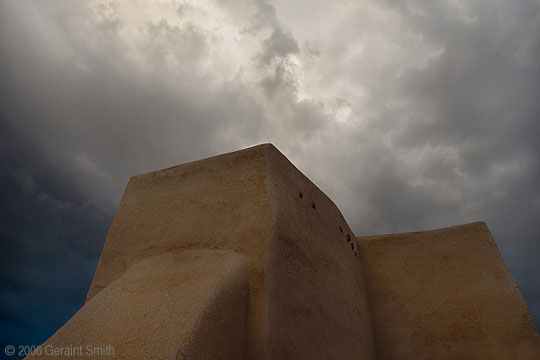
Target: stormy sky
{"type": "Point", "coordinates": [410, 114]}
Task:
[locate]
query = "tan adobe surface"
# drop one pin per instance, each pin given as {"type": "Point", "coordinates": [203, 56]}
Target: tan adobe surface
{"type": "Point", "coordinates": [445, 294]}
{"type": "Point", "coordinates": [240, 256]}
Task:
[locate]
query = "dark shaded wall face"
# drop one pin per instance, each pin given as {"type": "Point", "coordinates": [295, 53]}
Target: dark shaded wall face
{"type": "Point", "coordinates": [409, 115]}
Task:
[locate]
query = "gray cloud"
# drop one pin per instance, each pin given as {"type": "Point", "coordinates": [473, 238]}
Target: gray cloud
{"type": "Point", "coordinates": [410, 114]}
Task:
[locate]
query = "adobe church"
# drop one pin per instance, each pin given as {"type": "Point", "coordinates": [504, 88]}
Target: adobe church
{"type": "Point", "coordinates": [241, 256]}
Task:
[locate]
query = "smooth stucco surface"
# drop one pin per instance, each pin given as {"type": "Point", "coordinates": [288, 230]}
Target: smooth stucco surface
{"type": "Point", "coordinates": [248, 202]}
{"type": "Point", "coordinates": [162, 308]}
{"type": "Point", "coordinates": [445, 294]}
{"type": "Point", "coordinates": [318, 307]}
{"type": "Point", "coordinates": [240, 256]}
{"type": "Point", "coordinates": [221, 202]}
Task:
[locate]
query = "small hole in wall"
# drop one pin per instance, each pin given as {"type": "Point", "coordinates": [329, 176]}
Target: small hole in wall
{"type": "Point", "coordinates": [313, 205]}
{"type": "Point", "coordinates": [341, 229]}
{"type": "Point", "coordinates": [348, 237]}
{"type": "Point", "coordinates": [352, 246]}
{"type": "Point", "coordinates": [355, 254]}
{"type": "Point", "coordinates": [300, 195]}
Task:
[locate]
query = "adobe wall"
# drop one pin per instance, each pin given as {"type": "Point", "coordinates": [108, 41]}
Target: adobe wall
{"type": "Point", "coordinates": [318, 306]}
{"type": "Point", "coordinates": [445, 294]}
{"type": "Point", "coordinates": [184, 305]}
{"type": "Point", "coordinates": [221, 202]}
{"type": "Point", "coordinates": [306, 293]}
{"type": "Point", "coordinates": [241, 256]}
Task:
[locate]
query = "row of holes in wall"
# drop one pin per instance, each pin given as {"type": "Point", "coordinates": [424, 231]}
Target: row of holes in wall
{"type": "Point", "coordinates": [349, 239]}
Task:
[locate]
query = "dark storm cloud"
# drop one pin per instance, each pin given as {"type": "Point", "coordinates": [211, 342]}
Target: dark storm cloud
{"type": "Point", "coordinates": [410, 114]}
{"type": "Point", "coordinates": [278, 61]}
{"type": "Point", "coordinates": [280, 43]}
{"type": "Point", "coordinates": [103, 116]}
{"type": "Point", "coordinates": [481, 92]}
{"type": "Point", "coordinates": [50, 238]}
